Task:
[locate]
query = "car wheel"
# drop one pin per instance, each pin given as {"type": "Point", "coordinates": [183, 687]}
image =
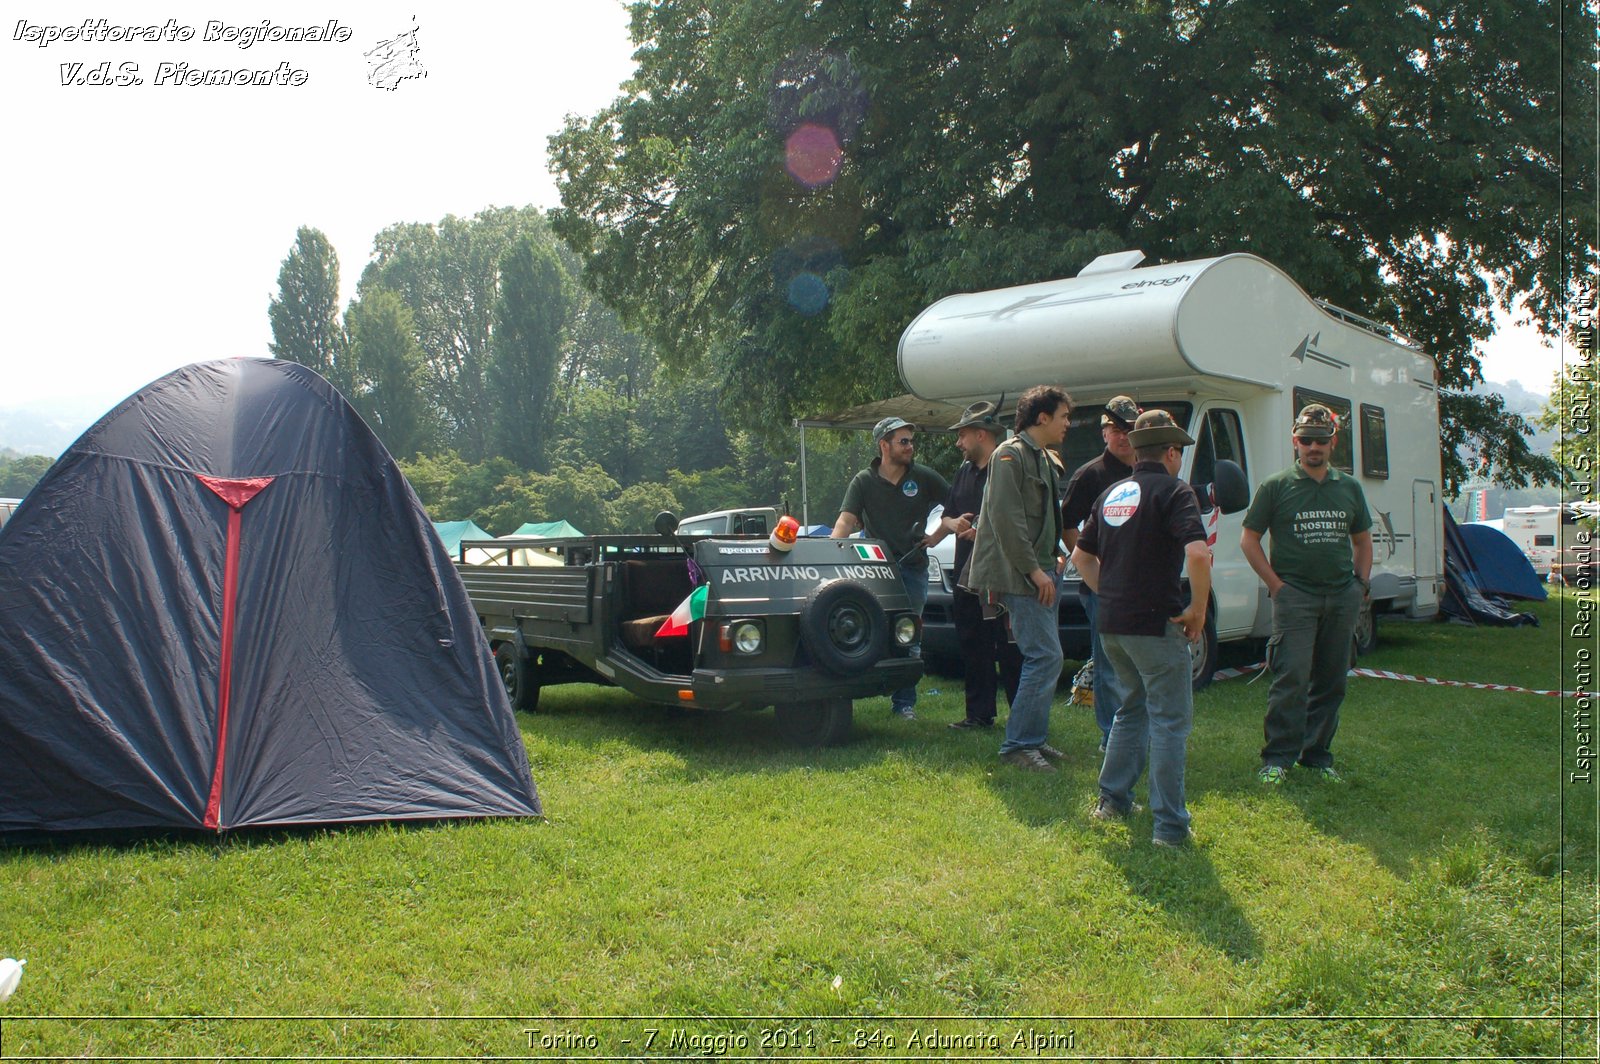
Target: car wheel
{"type": "Point", "coordinates": [844, 628]}
{"type": "Point", "coordinates": [826, 722]}
{"type": "Point", "coordinates": [1203, 655]}
{"type": "Point", "coordinates": [1366, 630]}
{"type": "Point", "coordinates": [517, 674]}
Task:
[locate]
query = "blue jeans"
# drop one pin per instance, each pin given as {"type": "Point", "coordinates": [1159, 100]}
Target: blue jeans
{"type": "Point", "coordinates": [1107, 692]}
{"type": "Point", "coordinates": [1035, 629]}
{"type": "Point", "coordinates": [916, 585]}
{"type": "Point", "coordinates": [1152, 724]}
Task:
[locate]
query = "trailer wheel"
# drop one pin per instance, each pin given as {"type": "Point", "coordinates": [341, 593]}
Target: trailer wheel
{"type": "Point", "coordinates": [517, 673]}
{"type": "Point", "coordinates": [1203, 655]}
{"type": "Point", "coordinates": [1366, 637]}
{"type": "Point", "coordinates": [826, 722]}
{"type": "Point", "coordinates": [844, 628]}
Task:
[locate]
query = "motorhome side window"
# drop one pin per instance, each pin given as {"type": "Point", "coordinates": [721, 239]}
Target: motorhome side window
{"type": "Point", "coordinates": [1220, 437]}
{"type": "Point", "coordinates": [1343, 445]}
{"type": "Point", "coordinates": [1374, 443]}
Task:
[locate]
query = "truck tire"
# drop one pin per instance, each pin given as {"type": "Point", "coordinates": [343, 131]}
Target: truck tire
{"type": "Point", "coordinates": [1366, 637]}
{"type": "Point", "coordinates": [1203, 655]}
{"type": "Point", "coordinates": [518, 675]}
{"type": "Point", "coordinates": [826, 722]}
{"type": "Point", "coordinates": [843, 628]}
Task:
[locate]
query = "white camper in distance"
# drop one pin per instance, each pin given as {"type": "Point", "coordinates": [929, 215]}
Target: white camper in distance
{"type": "Point", "coordinates": [1536, 530]}
{"type": "Point", "coordinates": [1233, 348]}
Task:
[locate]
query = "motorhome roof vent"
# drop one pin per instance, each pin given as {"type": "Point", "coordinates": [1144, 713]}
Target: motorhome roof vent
{"type": "Point", "coordinates": [1119, 260]}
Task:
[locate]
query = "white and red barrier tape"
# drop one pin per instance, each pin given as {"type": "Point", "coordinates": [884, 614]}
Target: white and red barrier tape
{"type": "Point", "coordinates": [1381, 674]}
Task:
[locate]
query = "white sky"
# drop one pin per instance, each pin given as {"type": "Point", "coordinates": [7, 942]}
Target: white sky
{"type": "Point", "coordinates": [148, 222]}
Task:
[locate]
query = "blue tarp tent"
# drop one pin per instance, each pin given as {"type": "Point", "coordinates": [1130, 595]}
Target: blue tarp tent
{"type": "Point", "coordinates": [1501, 567]}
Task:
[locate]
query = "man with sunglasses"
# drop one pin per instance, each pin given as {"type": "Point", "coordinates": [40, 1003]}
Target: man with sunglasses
{"type": "Point", "coordinates": [892, 499]}
{"type": "Point", "coordinates": [1318, 579]}
{"type": "Point", "coordinates": [1077, 502]}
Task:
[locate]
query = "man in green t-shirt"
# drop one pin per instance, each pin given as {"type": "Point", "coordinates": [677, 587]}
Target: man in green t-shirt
{"type": "Point", "coordinates": [1318, 579]}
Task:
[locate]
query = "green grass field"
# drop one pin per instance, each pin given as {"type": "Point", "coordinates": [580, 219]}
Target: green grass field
{"type": "Point", "coordinates": [903, 896]}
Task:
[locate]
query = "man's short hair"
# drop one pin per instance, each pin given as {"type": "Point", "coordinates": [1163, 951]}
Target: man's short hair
{"type": "Point", "coordinates": [1040, 402]}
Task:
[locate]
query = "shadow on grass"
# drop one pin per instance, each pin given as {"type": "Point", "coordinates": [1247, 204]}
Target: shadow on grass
{"type": "Point", "coordinates": [1184, 884]}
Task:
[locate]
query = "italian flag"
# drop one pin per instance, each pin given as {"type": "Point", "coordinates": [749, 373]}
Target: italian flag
{"type": "Point", "coordinates": [871, 552]}
{"type": "Point", "coordinates": [689, 610]}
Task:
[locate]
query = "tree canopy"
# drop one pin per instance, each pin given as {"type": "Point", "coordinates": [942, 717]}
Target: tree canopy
{"type": "Point", "coordinates": [305, 312]}
{"type": "Point", "coordinates": [782, 187]}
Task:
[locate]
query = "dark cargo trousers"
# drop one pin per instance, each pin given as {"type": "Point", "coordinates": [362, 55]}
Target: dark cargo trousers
{"type": "Point", "coordinates": [1310, 653]}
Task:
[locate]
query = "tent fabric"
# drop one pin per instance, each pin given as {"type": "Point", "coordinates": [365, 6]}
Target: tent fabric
{"type": "Point", "coordinates": [545, 530]}
{"type": "Point", "coordinates": [1464, 600]}
{"type": "Point", "coordinates": [453, 532]}
{"type": "Point", "coordinates": [1501, 566]}
{"type": "Point", "coordinates": [330, 624]}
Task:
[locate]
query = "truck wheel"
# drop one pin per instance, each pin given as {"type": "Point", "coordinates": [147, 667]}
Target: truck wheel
{"type": "Point", "coordinates": [1203, 655]}
{"type": "Point", "coordinates": [517, 673]}
{"type": "Point", "coordinates": [823, 723]}
{"type": "Point", "coordinates": [1366, 630]}
{"type": "Point", "coordinates": [844, 628]}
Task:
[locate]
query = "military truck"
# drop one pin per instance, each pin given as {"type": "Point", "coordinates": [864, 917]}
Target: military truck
{"type": "Point", "coordinates": [717, 623]}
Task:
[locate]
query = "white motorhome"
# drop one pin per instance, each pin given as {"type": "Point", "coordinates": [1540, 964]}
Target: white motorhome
{"type": "Point", "coordinates": [1233, 348]}
{"type": "Point", "coordinates": [1536, 530]}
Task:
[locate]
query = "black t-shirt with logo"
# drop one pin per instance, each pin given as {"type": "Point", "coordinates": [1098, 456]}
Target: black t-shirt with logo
{"type": "Point", "coordinates": [896, 513]}
{"type": "Point", "coordinates": [1138, 529]}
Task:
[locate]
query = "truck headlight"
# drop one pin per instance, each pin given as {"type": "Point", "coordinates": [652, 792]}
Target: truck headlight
{"type": "Point", "coordinates": [905, 629]}
{"type": "Point", "coordinates": [748, 637]}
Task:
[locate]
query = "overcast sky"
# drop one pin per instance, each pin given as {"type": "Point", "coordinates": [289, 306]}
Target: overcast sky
{"type": "Point", "coordinates": [149, 221]}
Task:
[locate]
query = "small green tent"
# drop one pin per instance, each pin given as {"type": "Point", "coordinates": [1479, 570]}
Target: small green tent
{"type": "Point", "coordinates": [547, 529]}
{"type": "Point", "coordinates": [453, 532]}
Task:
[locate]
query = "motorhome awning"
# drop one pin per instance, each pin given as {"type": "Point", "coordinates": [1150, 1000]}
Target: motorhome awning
{"type": "Point", "coordinates": [927, 415]}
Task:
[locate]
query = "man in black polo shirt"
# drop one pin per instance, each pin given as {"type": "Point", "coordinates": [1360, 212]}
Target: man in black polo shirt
{"type": "Point", "coordinates": [1141, 535]}
{"type": "Point", "coordinates": [984, 643]}
{"type": "Point", "coordinates": [892, 499]}
{"type": "Point", "coordinates": [1088, 482]}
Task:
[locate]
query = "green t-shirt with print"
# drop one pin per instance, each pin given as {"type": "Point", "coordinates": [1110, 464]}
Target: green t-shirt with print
{"type": "Point", "coordinates": [1310, 523]}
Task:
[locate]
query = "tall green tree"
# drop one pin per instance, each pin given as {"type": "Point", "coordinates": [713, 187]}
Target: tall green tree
{"type": "Point", "coordinates": [305, 312]}
{"type": "Point", "coordinates": [391, 377]}
{"type": "Point", "coordinates": [783, 186]}
{"type": "Point", "coordinates": [449, 275]}
{"type": "Point", "coordinates": [530, 319]}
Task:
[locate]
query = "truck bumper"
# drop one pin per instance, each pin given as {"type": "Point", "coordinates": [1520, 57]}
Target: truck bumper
{"type": "Point", "coordinates": [743, 688]}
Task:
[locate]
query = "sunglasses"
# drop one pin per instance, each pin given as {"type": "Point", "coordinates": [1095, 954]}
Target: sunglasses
{"type": "Point", "coordinates": [1309, 441]}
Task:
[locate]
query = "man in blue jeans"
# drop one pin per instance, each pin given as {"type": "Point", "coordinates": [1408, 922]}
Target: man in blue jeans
{"type": "Point", "coordinates": [892, 499]}
{"type": "Point", "coordinates": [1087, 484]}
{"type": "Point", "coordinates": [1140, 537]}
{"type": "Point", "coordinates": [1014, 561]}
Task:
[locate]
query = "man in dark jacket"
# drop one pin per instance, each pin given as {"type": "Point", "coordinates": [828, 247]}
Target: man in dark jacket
{"type": "Point", "coordinates": [1088, 482]}
{"type": "Point", "coordinates": [983, 639]}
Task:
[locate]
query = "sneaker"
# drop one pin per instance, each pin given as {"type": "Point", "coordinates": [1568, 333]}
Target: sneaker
{"type": "Point", "coordinates": [1031, 760]}
{"type": "Point", "coordinates": [1104, 810]}
{"type": "Point", "coordinates": [1051, 752]}
{"type": "Point", "coordinates": [1271, 775]}
{"type": "Point", "coordinates": [906, 714]}
{"type": "Point", "coordinates": [1173, 844]}
{"type": "Point", "coordinates": [1325, 773]}
{"type": "Point", "coordinates": [970, 723]}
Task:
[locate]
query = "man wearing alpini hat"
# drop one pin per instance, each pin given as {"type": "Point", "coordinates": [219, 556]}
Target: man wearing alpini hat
{"type": "Point", "coordinates": [983, 639]}
{"type": "Point", "coordinates": [1077, 500]}
{"type": "Point", "coordinates": [1317, 578]}
{"type": "Point", "coordinates": [1141, 537]}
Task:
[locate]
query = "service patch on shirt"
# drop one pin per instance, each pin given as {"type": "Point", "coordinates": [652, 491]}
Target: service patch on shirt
{"type": "Point", "coordinates": [1122, 502]}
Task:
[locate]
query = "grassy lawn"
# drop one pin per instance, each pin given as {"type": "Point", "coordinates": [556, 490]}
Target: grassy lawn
{"type": "Point", "coordinates": [906, 894]}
